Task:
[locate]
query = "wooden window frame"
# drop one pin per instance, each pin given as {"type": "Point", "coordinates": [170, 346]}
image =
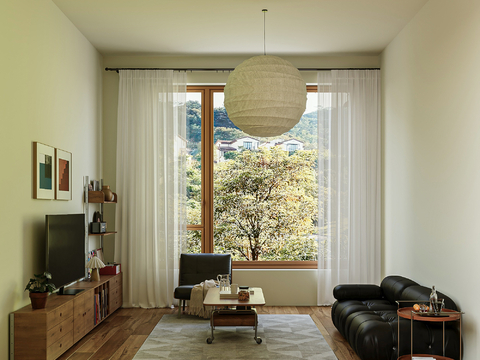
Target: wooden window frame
{"type": "Point", "coordinates": [206, 226]}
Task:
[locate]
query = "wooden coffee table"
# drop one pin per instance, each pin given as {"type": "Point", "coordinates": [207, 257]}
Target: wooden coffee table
{"type": "Point", "coordinates": [232, 312]}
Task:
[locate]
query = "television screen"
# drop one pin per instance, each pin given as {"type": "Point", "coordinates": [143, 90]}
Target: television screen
{"type": "Point", "coordinates": [65, 242]}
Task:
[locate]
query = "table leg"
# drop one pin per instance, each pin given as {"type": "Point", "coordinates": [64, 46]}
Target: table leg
{"type": "Point", "coordinates": [257, 339]}
{"type": "Point", "coordinates": [210, 339]}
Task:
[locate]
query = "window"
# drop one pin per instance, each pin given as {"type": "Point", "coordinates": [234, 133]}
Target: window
{"type": "Point", "coordinates": [251, 197]}
{"type": "Point", "coordinates": [292, 147]}
{"type": "Point", "coordinates": [247, 145]}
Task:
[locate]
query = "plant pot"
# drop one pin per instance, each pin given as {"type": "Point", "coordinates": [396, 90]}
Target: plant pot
{"type": "Point", "coordinates": [38, 300]}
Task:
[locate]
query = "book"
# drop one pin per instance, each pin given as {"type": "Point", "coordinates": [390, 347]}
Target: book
{"type": "Point", "coordinates": [228, 295]}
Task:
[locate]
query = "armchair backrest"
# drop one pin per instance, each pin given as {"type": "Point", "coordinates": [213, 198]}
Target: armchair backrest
{"type": "Point", "coordinates": [195, 268]}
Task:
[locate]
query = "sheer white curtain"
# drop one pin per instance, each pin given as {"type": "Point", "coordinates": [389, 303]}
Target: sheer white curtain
{"type": "Point", "coordinates": [349, 179]}
{"type": "Point", "coordinates": [150, 216]}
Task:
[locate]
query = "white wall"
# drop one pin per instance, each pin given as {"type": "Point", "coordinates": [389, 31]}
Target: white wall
{"type": "Point", "coordinates": [50, 92]}
{"type": "Point", "coordinates": [431, 88]}
{"type": "Point", "coordinates": [281, 287]}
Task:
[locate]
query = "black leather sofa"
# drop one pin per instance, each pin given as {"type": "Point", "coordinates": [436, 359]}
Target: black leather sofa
{"type": "Point", "coordinates": [366, 316]}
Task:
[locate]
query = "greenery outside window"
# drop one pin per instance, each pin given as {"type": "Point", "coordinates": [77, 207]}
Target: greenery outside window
{"type": "Point", "coordinates": [256, 198]}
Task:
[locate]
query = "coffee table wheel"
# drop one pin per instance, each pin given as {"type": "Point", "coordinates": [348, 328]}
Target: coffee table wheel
{"type": "Point", "coordinates": [258, 340]}
{"type": "Point", "coordinates": [209, 340]}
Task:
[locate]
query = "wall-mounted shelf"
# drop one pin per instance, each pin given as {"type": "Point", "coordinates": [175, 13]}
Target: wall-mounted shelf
{"type": "Point", "coordinates": [95, 197]}
{"type": "Point", "coordinates": [98, 197]}
{"type": "Point", "coordinates": [103, 234]}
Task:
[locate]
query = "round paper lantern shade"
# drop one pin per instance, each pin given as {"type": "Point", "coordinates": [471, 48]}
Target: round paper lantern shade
{"type": "Point", "coordinates": [265, 96]}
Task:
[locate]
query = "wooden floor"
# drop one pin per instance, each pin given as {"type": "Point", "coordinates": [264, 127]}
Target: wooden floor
{"type": "Point", "coordinates": [121, 335]}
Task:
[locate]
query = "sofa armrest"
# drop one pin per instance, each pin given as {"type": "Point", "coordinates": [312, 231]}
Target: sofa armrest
{"type": "Point", "coordinates": [357, 292]}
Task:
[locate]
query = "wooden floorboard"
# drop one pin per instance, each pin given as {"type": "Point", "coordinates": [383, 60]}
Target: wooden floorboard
{"type": "Point", "coordinates": [121, 335]}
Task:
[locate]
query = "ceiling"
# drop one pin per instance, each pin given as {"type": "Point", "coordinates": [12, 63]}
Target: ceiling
{"type": "Point", "coordinates": [235, 27]}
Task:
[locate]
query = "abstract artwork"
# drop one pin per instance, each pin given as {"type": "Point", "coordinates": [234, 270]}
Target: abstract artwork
{"type": "Point", "coordinates": [63, 163]}
{"type": "Point", "coordinates": [43, 171]}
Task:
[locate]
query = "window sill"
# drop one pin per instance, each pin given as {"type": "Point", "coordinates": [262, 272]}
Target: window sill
{"type": "Point", "coordinates": [274, 264]}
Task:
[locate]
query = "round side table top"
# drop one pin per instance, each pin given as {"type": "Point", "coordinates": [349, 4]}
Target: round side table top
{"type": "Point", "coordinates": [445, 315]}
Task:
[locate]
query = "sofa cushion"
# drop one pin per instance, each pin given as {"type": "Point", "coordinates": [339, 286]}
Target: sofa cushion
{"type": "Point", "coordinates": [341, 310]}
{"type": "Point", "coordinates": [418, 292]}
{"type": "Point", "coordinates": [357, 292]}
{"type": "Point", "coordinates": [394, 285]}
{"type": "Point", "coordinates": [371, 334]}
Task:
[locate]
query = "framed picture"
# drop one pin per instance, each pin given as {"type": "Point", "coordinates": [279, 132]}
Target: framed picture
{"type": "Point", "coordinates": [63, 177]}
{"type": "Point", "coordinates": [43, 171]}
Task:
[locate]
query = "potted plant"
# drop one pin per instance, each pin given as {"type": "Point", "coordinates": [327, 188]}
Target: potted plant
{"type": "Point", "coordinates": [39, 288]}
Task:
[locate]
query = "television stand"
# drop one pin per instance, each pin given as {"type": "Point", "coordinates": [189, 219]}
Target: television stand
{"type": "Point", "coordinates": [45, 334]}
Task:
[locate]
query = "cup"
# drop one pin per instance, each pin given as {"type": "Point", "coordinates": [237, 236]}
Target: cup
{"type": "Point", "coordinates": [234, 288]}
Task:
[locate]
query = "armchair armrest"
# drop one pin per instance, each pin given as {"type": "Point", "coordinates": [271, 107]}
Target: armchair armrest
{"type": "Point", "coordinates": [357, 292]}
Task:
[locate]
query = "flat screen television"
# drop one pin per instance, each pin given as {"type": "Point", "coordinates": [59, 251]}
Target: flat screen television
{"type": "Point", "coordinates": [65, 250]}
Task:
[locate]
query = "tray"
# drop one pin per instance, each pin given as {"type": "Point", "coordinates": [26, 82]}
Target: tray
{"type": "Point", "coordinates": [432, 314]}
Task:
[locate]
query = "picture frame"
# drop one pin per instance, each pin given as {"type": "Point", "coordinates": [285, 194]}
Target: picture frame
{"type": "Point", "coordinates": [43, 171]}
{"type": "Point", "coordinates": [63, 175]}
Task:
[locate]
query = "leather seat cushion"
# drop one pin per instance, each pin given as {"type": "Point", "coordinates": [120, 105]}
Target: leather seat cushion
{"type": "Point", "coordinates": [183, 292]}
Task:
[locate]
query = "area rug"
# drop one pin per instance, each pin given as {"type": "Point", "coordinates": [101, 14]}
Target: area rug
{"type": "Point", "coordinates": [284, 337]}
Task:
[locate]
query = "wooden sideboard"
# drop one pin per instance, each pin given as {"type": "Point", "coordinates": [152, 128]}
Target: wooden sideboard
{"type": "Point", "coordinates": [48, 333]}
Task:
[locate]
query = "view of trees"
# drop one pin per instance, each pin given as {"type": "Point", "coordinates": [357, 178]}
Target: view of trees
{"type": "Point", "coordinates": [265, 205]}
{"type": "Point", "coordinates": [265, 201]}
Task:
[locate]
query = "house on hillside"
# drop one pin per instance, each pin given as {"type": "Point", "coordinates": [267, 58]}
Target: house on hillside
{"type": "Point", "coordinates": [223, 146]}
{"type": "Point", "coordinates": [290, 145]}
{"type": "Point", "coordinates": [249, 143]}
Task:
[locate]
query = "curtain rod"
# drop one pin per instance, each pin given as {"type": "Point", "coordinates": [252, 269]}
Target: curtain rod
{"type": "Point", "coordinates": [230, 69]}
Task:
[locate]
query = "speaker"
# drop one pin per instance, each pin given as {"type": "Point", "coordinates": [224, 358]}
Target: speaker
{"type": "Point", "coordinates": [98, 227]}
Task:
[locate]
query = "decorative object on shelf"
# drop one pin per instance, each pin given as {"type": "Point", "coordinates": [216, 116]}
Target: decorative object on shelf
{"type": "Point", "coordinates": [265, 95]}
{"type": "Point", "coordinates": [111, 269]}
{"type": "Point", "coordinates": [96, 185]}
{"type": "Point", "coordinates": [63, 166]}
{"type": "Point", "coordinates": [97, 216]}
{"type": "Point", "coordinates": [43, 171]}
{"type": "Point", "coordinates": [434, 300]}
{"type": "Point", "coordinates": [95, 263]}
{"type": "Point", "coordinates": [243, 295]}
{"type": "Point", "coordinates": [39, 288]}
{"type": "Point", "coordinates": [108, 193]}
{"type": "Point", "coordinates": [98, 227]}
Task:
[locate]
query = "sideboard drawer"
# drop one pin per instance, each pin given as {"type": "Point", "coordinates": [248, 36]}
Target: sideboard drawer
{"type": "Point", "coordinates": [59, 331]}
{"type": "Point", "coordinates": [61, 313]}
{"type": "Point", "coordinates": [60, 346]}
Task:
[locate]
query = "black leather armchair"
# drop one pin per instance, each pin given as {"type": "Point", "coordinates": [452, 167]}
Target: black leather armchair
{"type": "Point", "coordinates": [196, 268]}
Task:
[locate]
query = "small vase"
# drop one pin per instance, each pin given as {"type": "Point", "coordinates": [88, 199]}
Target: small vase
{"type": "Point", "coordinates": [38, 300]}
{"type": "Point", "coordinates": [108, 193]}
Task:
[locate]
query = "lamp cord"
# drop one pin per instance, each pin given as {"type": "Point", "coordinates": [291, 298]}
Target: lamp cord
{"type": "Point", "coordinates": [264, 49]}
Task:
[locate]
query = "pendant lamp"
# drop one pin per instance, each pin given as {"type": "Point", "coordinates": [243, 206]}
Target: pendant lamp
{"type": "Point", "coordinates": [265, 95]}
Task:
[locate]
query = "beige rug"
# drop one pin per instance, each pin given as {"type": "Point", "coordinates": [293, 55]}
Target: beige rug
{"type": "Point", "coordinates": [284, 337]}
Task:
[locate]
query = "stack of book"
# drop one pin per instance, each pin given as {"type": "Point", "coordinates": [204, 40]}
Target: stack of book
{"type": "Point", "coordinates": [227, 294]}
